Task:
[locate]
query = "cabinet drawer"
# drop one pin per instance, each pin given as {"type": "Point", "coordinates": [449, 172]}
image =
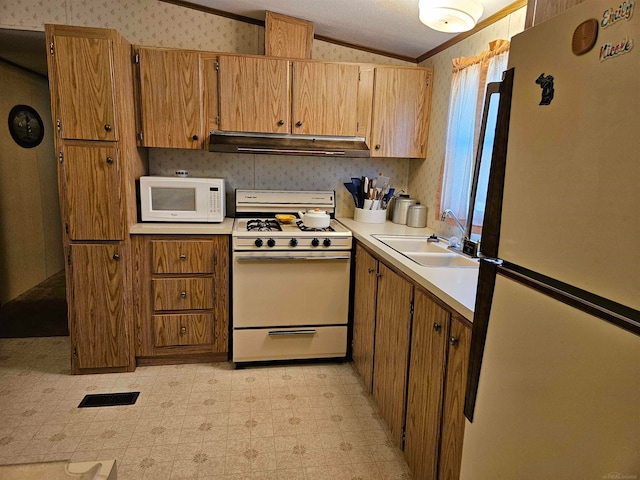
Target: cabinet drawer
{"type": "Point", "coordinates": [182, 256]}
{"type": "Point", "coordinates": [188, 329]}
{"type": "Point", "coordinates": [284, 344]}
{"type": "Point", "coordinates": [183, 293]}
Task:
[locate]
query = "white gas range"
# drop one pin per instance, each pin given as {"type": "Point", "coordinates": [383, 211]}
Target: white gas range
{"type": "Point", "coordinates": [290, 283]}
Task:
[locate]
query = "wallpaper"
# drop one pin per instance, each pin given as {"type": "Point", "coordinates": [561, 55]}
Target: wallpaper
{"type": "Point", "coordinates": [425, 174]}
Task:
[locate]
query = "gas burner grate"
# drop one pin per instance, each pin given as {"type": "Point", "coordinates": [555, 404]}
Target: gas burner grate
{"type": "Point", "coordinates": [259, 225]}
{"type": "Point", "coordinates": [304, 228]}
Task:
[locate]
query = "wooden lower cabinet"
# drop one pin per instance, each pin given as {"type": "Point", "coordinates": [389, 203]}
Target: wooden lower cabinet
{"type": "Point", "coordinates": [182, 302]}
{"type": "Point", "coordinates": [453, 419]}
{"type": "Point", "coordinates": [426, 380]}
{"type": "Point", "coordinates": [99, 329]}
{"type": "Point", "coordinates": [440, 343]}
{"type": "Point", "coordinates": [391, 357]}
{"type": "Point", "coordinates": [419, 363]}
{"type": "Point", "coordinates": [364, 314]}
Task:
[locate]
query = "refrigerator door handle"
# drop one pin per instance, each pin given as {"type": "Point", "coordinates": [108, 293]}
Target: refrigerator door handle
{"type": "Point", "coordinates": [482, 310]}
{"type": "Point", "coordinates": [493, 209]}
{"type": "Point", "coordinates": [493, 88]}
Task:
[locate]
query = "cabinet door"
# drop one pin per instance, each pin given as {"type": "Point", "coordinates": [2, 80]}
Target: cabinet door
{"type": "Point", "coordinates": [93, 193]}
{"type": "Point", "coordinates": [325, 99]}
{"type": "Point", "coordinates": [426, 380]}
{"type": "Point", "coordinates": [401, 103]}
{"type": "Point", "coordinates": [171, 98]}
{"type": "Point", "coordinates": [85, 87]}
{"type": "Point", "coordinates": [287, 36]}
{"type": "Point", "coordinates": [393, 325]}
{"type": "Point", "coordinates": [453, 419]}
{"type": "Point", "coordinates": [364, 314]}
{"type": "Point", "coordinates": [97, 307]}
{"type": "Point", "coordinates": [254, 94]}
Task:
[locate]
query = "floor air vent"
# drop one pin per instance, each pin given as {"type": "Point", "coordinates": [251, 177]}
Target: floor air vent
{"type": "Point", "coordinates": [109, 399]}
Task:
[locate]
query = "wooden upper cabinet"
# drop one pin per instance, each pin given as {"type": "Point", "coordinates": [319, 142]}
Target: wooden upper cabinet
{"type": "Point", "coordinates": [540, 10]}
{"type": "Point", "coordinates": [287, 36]}
{"type": "Point", "coordinates": [325, 98]}
{"type": "Point", "coordinates": [254, 94]}
{"type": "Point", "coordinates": [400, 118]}
{"type": "Point", "coordinates": [84, 78]}
{"type": "Point", "coordinates": [93, 192]}
{"type": "Point", "coordinates": [170, 98]}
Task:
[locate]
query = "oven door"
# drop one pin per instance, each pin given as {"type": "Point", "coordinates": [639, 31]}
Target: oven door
{"type": "Point", "coordinates": [290, 289]}
{"type": "Point", "coordinates": [290, 305]}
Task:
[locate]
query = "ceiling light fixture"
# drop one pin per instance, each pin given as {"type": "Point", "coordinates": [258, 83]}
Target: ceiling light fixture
{"type": "Point", "coordinates": [451, 16]}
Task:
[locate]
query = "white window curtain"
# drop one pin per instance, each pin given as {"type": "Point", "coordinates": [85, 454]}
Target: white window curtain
{"type": "Point", "coordinates": [468, 86]}
{"type": "Point", "coordinates": [458, 166]}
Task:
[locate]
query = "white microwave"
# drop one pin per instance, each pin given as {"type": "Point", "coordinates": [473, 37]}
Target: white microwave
{"type": "Point", "coordinates": [182, 199]}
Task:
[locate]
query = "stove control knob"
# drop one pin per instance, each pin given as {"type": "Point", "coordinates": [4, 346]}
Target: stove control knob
{"type": "Point", "coordinates": [315, 242]}
{"type": "Point", "coordinates": [293, 242]}
{"type": "Point", "coordinates": [326, 242]}
{"type": "Point", "coordinates": [258, 242]}
{"type": "Point", "coordinates": [271, 242]}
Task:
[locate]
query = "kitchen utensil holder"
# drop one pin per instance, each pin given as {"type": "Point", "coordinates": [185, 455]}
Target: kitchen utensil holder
{"type": "Point", "coordinates": [370, 216]}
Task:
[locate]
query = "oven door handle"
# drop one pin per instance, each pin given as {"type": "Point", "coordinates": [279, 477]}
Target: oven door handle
{"type": "Point", "coordinates": [289, 257]}
{"type": "Point", "coordinates": [279, 333]}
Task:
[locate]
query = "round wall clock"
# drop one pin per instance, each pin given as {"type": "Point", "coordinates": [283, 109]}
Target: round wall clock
{"type": "Point", "coordinates": [25, 126]}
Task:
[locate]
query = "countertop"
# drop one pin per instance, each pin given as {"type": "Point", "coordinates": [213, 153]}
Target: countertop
{"type": "Point", "coordinates": [454, 286]}
{"type": "Point", "coordinates": [161, 228]}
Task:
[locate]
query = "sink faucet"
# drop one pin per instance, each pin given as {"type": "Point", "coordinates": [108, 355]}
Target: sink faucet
{"type": "Point", "coordinates": [449, 212]}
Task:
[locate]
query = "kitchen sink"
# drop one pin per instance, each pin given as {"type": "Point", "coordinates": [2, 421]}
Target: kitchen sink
{"type": "Point", "coordinates": [411, 243]}
{"type": "Point", "coordinates": [428, 254]}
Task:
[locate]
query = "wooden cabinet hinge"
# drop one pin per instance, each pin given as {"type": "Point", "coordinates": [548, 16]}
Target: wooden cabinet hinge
{"type": "Point", "coordinates": [141, 135]}
{"type": "Point", "coordinates": [411, 308]}
{"type": "Point", "coordinates": [404, 438]}
{"type": "Point", "coordinates": [51, 48]}
{"type": "Point", "coordinates": [75, 352]}
{"type": "Point", "coordinates": [217, 66]}
{"type": "Point", "coordinates": [60, 157]}
{"type": "Point", "coordinates": [136, 57]}
{"type": "Point", "coordinates": [218, 120]}
{"type": "Point", "coordinates": [58, 125]}
{"type": "Point", "coordinates": [69, 259]}
{"type": "Point", "coordinates": [66, 228]}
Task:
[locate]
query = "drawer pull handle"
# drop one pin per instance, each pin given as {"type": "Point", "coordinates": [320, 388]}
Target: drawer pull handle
{"type": "Point", "coordinates": [279, 333]}
{"type": "Point", "coordinates": [183, 330]}
{"type": "Point", "coordinates": [436, 327]}
{"type": "Point", "coordinates": [453, 341]}
{"type": "Point", "coordinates": [107, 127]}
{"type": "Point", "coordinates": [183, 294]}
{"type": "Point", "coordinates": [371, 270]}
{"type": "Point", "coordinates": [183, 257]}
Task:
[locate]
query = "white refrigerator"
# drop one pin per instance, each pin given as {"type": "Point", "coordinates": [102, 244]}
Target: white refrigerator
{"type": "Point", "coordinates": [553, 386]}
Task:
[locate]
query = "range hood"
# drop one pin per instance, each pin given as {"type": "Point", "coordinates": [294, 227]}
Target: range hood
{"type": "Point", "coordinates": [283, 144]}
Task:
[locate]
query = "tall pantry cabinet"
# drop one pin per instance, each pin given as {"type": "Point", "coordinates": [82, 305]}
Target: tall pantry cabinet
{"type": "Point", "coordinates": [90, 78]}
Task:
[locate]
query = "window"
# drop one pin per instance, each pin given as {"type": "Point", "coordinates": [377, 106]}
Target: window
{"type": "Point", "coordinates": [468, 86]}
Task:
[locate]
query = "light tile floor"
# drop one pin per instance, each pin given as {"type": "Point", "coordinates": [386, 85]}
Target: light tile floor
{"type": "Point", "coordinates": [209, 421]}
